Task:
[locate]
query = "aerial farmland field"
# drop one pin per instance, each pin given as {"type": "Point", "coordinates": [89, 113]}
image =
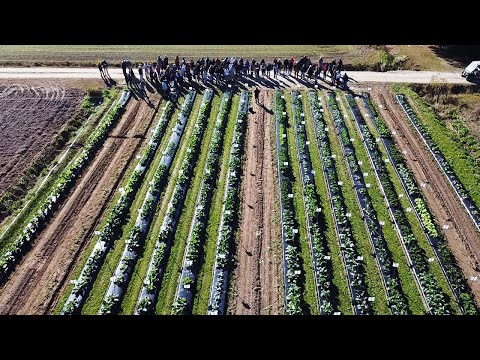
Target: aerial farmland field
{"type": "Point", "coordinates": [192, 196]}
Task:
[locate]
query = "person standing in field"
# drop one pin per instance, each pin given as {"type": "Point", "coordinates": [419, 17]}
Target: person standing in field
{"type": "Point", "coordinates": [140, 72]}
{"type": "Point", "coordinates": [124, 70]}
{"type": "Point", "coordinates": [256, 93]}
{"type": "Point", "coordinates": [285, 66]}
{"type": "Point", "coordinates": [104, 67]}
{"type": "Point", "coordinates": [345, 80]}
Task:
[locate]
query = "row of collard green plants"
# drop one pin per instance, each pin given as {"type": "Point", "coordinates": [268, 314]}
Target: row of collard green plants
{"type": "Point", "coordinates": [465, 198]}
{"type": "Point", "coordinates": [158, 261]}
{"type": "Point", "coordinates": [196, 237]}
{"type": "Point", "coordinates": [396, 297]}
{"type": "Point", "coordinates": [447, 260]}
{"type": "Point", "coordinates": [229, 220]}
{"type": "Point", "coordinates": [13, 253]}
{"type": "Point", "coordinates": [116, 218]}
{"type": "Point", "coordinates": [135, 239]}
{"type": "Point", "coordinates": [353, 265]}
{"type": "Point", "coordinates": [321, 261]}
{"type": "Point", "coordinates": [290, 246]}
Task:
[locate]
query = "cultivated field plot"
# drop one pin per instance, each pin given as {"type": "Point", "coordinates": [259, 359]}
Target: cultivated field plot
{"type": "Point", "coordinates": [29, 118]}
{"type": "Point", "coordinates": [308, 202]}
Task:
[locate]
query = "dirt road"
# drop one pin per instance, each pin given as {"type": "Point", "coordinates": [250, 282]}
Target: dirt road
{"type": "Point", "coordinates": [399, 76]}
{"type": "Point", "coordinates": [258, 276]}
{"type": "Point", "coordinates": [37, 282]}
{"type": "Point", "coordinates": [462, 236]}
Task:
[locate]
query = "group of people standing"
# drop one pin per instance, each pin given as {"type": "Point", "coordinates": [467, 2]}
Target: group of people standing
{"type": "Point", "coordinates": [167, 76]}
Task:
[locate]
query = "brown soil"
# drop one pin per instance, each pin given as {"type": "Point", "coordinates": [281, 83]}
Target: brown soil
{"type": "Point", "coordinates": [462, 236]}
{"type": "Point", "coordinates": [258, 277]}
{"type": "Point", "coordinates": [36, 284]}
{"type": "Point", "coordinates": [29, 118]}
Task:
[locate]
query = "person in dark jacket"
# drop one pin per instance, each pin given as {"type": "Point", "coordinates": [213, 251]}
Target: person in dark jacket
{"type": "Point", "coordinates": [345, 80]}
{"type": "Point", "coordinates": [256, 92]}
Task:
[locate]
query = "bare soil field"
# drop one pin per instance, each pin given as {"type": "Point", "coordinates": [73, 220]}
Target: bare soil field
{"type": "Point", "coordinates": [462, 236]}
{"type": "Point", "coordinates": [35, 285]}
{"type": "Point", "coordinates": [29, 118]}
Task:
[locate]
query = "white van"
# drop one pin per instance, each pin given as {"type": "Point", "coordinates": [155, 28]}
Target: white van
{"type": "Point", "coordinates": [472, 71]}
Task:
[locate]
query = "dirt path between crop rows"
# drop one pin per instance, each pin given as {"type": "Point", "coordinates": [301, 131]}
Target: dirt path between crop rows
{"type": "Point", "coordinates": [36, 284]}
{"type": "Point", "coordinates": [462, 236]}
{"type": "Point", "coordinates": [258, 276]}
